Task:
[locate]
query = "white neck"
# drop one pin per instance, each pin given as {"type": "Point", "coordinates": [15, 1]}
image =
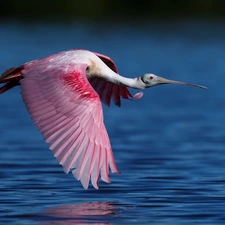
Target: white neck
{"type": "Point", "coordinates": [107, 74]}
{"type": "Point", "coordinates": [135, 83]}
{"type": "Point", "coordinates": [102, 71]}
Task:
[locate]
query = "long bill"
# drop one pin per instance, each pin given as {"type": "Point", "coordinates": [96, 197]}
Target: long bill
{"type": "Point", "coordinates": [162, 80]}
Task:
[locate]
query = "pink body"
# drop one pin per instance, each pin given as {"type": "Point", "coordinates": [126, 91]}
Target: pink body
{"type": "Point", "coordinates": [65, 106]}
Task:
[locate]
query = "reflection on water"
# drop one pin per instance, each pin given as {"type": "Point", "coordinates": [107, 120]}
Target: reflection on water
{"type": "Point", "coordinates": [86, 213]}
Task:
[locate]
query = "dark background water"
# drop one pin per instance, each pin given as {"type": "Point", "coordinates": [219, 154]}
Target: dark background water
{"type": "Point", "coordinates": [169, 145]}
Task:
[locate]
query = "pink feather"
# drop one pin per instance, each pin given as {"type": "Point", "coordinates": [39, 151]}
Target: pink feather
{"type": "Point", "coordinates": [66, 108]}
{"type": "Point", "coordinates": [68, 113]}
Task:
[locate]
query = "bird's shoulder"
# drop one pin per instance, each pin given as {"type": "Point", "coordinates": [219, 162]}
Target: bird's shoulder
{"type": "Point", "coordinates": [62, 63]}
{"type": "Point", "coordinates": [64, 75]}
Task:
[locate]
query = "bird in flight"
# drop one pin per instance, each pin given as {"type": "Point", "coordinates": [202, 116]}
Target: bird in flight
{"type": "Point", "coordinates": [63, 94]}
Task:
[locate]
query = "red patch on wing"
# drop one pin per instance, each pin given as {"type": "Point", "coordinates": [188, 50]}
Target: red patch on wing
{"type": "Point", "coordinates": [80, 84]}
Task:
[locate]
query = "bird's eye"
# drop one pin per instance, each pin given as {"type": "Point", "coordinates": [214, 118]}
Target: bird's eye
{"type": "Point", "coordinates": [88, 68]}
{"type": "Point", "coordinates": [151, 77]}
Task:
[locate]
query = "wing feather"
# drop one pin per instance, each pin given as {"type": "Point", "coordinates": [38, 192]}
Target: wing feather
{"type": "Point", "coordinates": [77, 143]}
{"type": "Point", "coordinates": [116, 95]}
{"type": "Point", "coordinates": [95, 167]}
{"type": "Point", "coordinates": [68, 113]}
{"type": "Point", "coordinates": [107, 90]}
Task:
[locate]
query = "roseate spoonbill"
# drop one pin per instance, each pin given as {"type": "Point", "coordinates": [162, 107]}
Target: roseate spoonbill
{"type": "Point", "coordinates": [62, 93]}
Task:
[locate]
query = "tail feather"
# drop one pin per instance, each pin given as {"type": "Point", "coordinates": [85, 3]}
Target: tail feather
{"type": "Point", "coordinates": [11, 77]}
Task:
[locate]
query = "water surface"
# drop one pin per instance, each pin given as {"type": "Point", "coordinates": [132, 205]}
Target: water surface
{"type": "Point", "coordinates": [169, 145]}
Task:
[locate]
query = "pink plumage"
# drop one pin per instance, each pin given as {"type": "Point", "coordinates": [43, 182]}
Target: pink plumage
{"type": "Point", "coordinates": [64, 104]}
{"type": "Point", "coordinates": [63, 94]}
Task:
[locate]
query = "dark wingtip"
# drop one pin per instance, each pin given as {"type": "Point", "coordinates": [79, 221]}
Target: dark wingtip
{"type": "Point", "coordinates": [8, 86]}
{"type": "Point", "coordinates": [7, 73]}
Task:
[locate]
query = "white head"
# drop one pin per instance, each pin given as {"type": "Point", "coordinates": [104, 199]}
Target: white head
{"type": "Point", "coordinates": [151, 80]}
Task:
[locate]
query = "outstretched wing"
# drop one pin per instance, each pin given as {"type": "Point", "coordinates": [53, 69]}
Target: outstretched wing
{"type": "Point", "coordinates": [68, 113]}
{"type": "Point", "coordinates": [108, 90]}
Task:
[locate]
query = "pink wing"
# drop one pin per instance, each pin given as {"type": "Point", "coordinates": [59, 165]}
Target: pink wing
{"type": "Point", "coordinates": [108, 61]}
{"type": "Point", "coordinates": [107, 90]}
{"type": "Point", "coordinates": [68, 113]}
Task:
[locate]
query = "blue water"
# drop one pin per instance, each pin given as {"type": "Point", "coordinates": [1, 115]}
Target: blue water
{"type": "Point", "coordinates": [169, 145]}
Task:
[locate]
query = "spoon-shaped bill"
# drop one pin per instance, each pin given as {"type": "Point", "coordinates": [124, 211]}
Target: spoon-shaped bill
{"type": "Point", "coordinates": [162, 80]}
